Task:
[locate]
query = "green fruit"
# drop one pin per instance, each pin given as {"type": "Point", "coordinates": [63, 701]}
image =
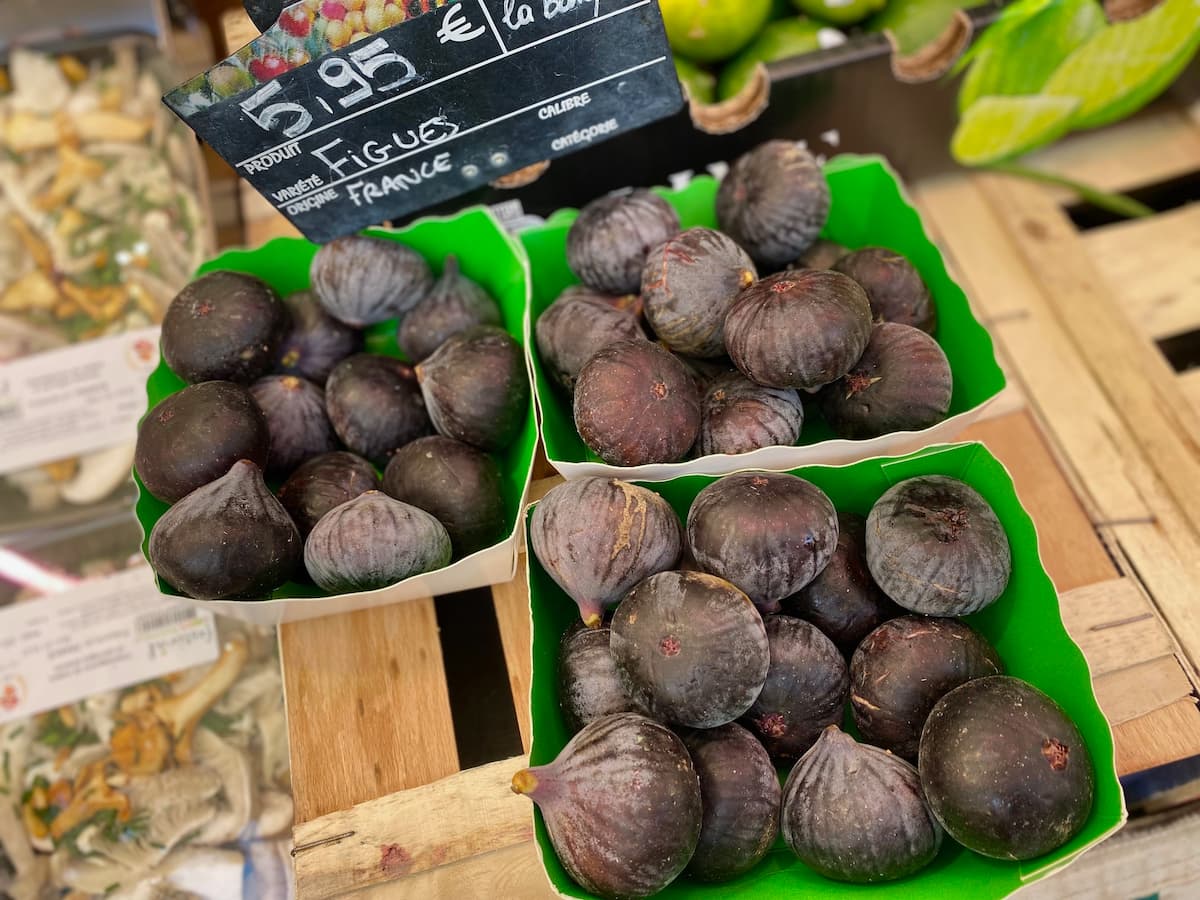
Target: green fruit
{"type": "Point", "coordinates": [712, 30]}
{"type": "Point", "coordinates": [700, 83]}
{"type": "Point", "coordinates": [840, 12]}
{"type": "Point", "coordinates": [997, 128]}
{"type": "Point", "coordinates": [779, 40]}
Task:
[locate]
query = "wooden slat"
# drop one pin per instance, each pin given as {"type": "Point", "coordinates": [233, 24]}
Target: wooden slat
{"type": "Point", "coordinates": [512, 616]}
{"type": "Point", "coordinates": [1189, 383]}
{"type": "Point", "coordinates": [1151, 266]}
{"type": "Point", "coordinates": [404, 834]}
{"type": "Point", "coordinates": [1139, 690]}
{"type": "Point", "coordinates": [514, 873]}
{"type": "Point", "coordinates": [1115, 625]}
{"type": "Point", "coordinates": [367, 706]}
{"type": "Point", "coordinates": [1162, 737]}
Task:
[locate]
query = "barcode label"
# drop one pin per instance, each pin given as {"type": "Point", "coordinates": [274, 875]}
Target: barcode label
{"type": "Point", "coordinates": [156, 621]}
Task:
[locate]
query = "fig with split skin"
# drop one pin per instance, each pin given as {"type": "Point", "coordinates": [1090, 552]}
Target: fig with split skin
{"type": "Point", "coordinates": [799, 329]}
{"type": "Point", "coordinates": [769, 533]}
{"type": "Point", "coordinates": [224, 326]}
{"type": "Point", "coordinates": [227, 540]}
{"type": "Point", "coordinates": [622, 805]}
{"type": "Point", "coordinates": [192, 437]}
{"type": "Point", "coordinates": [904, 667]}
{"type": "Point", "coordinates": [739, 416]}
{"type": "Point", "coordinates": [608, 243]}
{"type": "Point", "coordinates": [893, 286]}
{"type": "Point", "coordinates": [598, 537]}
{"type": "Point", "coordinates": [636, 404]}
{"type": "Point", "coordinates": [739, 793]}
{"type": "Point", "coordinates": [902, 382]}
{"type": "Point", "coordinates": [688, 285]}
{"type": "Point", "coordinates": [805, 689]}
{"type": "Point", "coordinates": [588, 684]}
{"type": "Point", "coordinates": [296, 418]}
{"type": "Point", "coordinates": [375, 405]}
{"type": "Point", "coordinates": [774, 202]}
{"type": "Point", "coordinates": [935, 546]}
{"type": "Point", "coordinates": [476, 387]}
{"type": "Point", "coordinates": [855, 813]}
{"type": "Point", "coordinates": [324, 482]}
{"type": "Point", "coordinates": [454, 304]}
{"type": "Point", "coordinates": [690, 648]}
{"type": "Point", "coordinates": [362, 280]}
{"type": "Point", "coordinates": [315, 341]}
{"type": "Point", "coordinates": [576, 326]}
{"type": "Point", "coordinates": [843, 600]}
{"type": "Point", "coordinates": [1006, 771]}
{"type": "Point", "coordinates": [457, 484]}
{"type": "Point", "coordinates": [373, 541]}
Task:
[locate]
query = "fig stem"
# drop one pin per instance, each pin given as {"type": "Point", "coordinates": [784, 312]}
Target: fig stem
{"type": "Point", "coordinates": [524, 782]}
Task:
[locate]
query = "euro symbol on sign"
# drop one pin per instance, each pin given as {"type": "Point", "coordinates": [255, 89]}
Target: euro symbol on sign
{"type": "Point", "coordinates": [456, 28]}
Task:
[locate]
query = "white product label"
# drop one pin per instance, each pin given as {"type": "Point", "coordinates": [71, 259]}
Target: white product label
{"type": "Point", "coordinates": [100, 635]}
{"type": "Point", "coordinates": [74, 401]}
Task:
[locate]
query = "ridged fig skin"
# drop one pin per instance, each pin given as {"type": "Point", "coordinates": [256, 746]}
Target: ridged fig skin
{"type": "Point", "coordinates": [740, 796]}
{"type": "Point", "coordinates": [227, 540]}
{"type": "Point", "coordinates": [224, 326]}
{"type": "Point", "coordinates": [853, 812]}
{"type": "Point", "coordinates": [902, 382]}
{"type": "Point", "coordinates": [375, 405]}
{"type": "Point", "coordinates": [296, 418]}
{"type": "Point", "coordinates": [454, 304]}
{"type": "Point", "coordinates": [588, 684]}
{"type": "Point", "coordinates": [373, 541]}
{"type": "Point", "coordinates": [822, 254]}
{"type": "Point", "coordinates": [599, 537]}
{"type": "Point", "coordinates": [739, 416]}
{"type": "Point", "coordinates": [936, 547]}
{"type": "Point", "coordinates": [904, 667]}
{"type": "Point", "coordinates": [622, 805]}
{"type": "Point", "coordinates": [363, 280]}
{"type": "Point", "coordinates": [843, 600]}
{"type": "Point", "coordinates": [192, 437]}
{"type": "Point", "coordinates": [805, 690]}
{"type": "Point", "coordinates": [324, 482]}
{"type": "Point", "coordinates": [798, 329]}
{"type": "Point", "coordinates": [636, 404]}
{"type": "Point", "coordinates": [774, 202]}
{"type": "Point", "coordinates": [476, 388]}
{"type": "Point", "coordinates": [691, 648]}
{"type": "Point", "coordinates": [608, 243]}
{"type": "Point", "coordinates": [688, 285]}
{"type": "Point", "coordinates": [1006, 771]}
{"type": "Point", "coordinates": [457, 484]}
{"type": "Point", "coordinates": [894, 287]}
{"type": "Point", "coordinates": [576, 326]}
{"type": "Point", "coordinates": [769, 533]}
{"type": "Point", "coordinates": [315, 341]}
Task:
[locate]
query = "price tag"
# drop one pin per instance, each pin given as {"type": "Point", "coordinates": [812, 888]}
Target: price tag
{"type": "Point", "coordinates": [101, 635]}
{"type": "Point", "coordinates": [339, 138]}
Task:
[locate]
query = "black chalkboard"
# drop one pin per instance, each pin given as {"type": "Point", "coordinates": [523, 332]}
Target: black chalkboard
{"type": "Point", "coordinates": [440, 104]}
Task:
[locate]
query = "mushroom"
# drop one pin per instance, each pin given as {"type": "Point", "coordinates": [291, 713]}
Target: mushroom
{"type": "Point", "coordinates": [262, 679]}
{"type": "Point", "coordinates": [191, 872]}
{"type": "Point", "coordinates": [238, 788]}
{"type": "Point", "coordinates": [91, 795]}
{"type": "Point", "coordinates": [39, 85]}
{"type": "Point", "coordinates": [274, 760]}
{"type": "Point", "coordinates": [16, 739]}
{"type": "Point", "coordinates": [99, 474]}
{"type": "Point", "coordinates": [275, 817]}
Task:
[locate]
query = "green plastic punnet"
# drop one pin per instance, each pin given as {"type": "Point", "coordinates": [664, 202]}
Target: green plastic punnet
{"type": "Point", "coordinates": [1024, 625]}
{"type": "Point", "coordinates": [485, 253]}
{"type": "Point", "coordinates": [869, 208]}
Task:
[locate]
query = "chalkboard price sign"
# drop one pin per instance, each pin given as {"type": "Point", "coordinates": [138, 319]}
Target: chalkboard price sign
{"type": "Point", "coordinates": [430, 108]}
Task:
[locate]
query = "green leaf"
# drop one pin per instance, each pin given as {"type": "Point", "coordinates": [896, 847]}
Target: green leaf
{"type": "Point", "coordinates": [1128, 64]}
{"type": "Point", "coordinates": [219, 724]}
{"type": "Point", "coordinates": [1022, 56]}
{"type": "Point", "coordinates": [1120, 204]}
{"type": "Point", "coordinates": [998, 128]}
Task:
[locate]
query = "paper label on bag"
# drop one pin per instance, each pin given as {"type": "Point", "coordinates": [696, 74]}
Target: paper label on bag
{"type": "Point", "coordinates": [74, 401]}
{"type": "Point", "coordinates": [101, 635]}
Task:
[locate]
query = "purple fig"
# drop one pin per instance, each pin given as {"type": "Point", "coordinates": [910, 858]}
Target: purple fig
{"type": "Point", "coordinates": [688, 285]}
{"type": "Point", "coordinates": [296, 418]}
{"type": "Point", "coordinates": [769, 533]}
{"type": "Point", "coordinates": [324, 482]}
{"type": "Point", "coordinates": [608, 243]}
{"type": "Point", "coordinates": [893, 286]}
{"type": "Point", "coordinates": [577, 325]}
{"type": "Point", "coordinates": [622, 805]}
{"type": "Point", "coordinates": [805, 690]}
{"type": "Point", "coordinates": [375, 405]}
{"type": "Point", "coordinates": [821, 254]}
{"type": "Point", "coordinates": [227, 540]}
{"type": "Point", "coordinates": [363, 280]}
{"type": "Point", "coordinates": [455, 304]}
{"type": "Point", "coordinates": [690, 648]}
{"type": "Point", "coordinates": [315, 342]}
{"type": "Point", "coordinates": [739, 416]}
{"type": "Point", "coordinates": [598, 537]}
{"type": "Point", "coordinates": [588, 684]}
{"type": "Point", "coordinates": [635, 404]}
